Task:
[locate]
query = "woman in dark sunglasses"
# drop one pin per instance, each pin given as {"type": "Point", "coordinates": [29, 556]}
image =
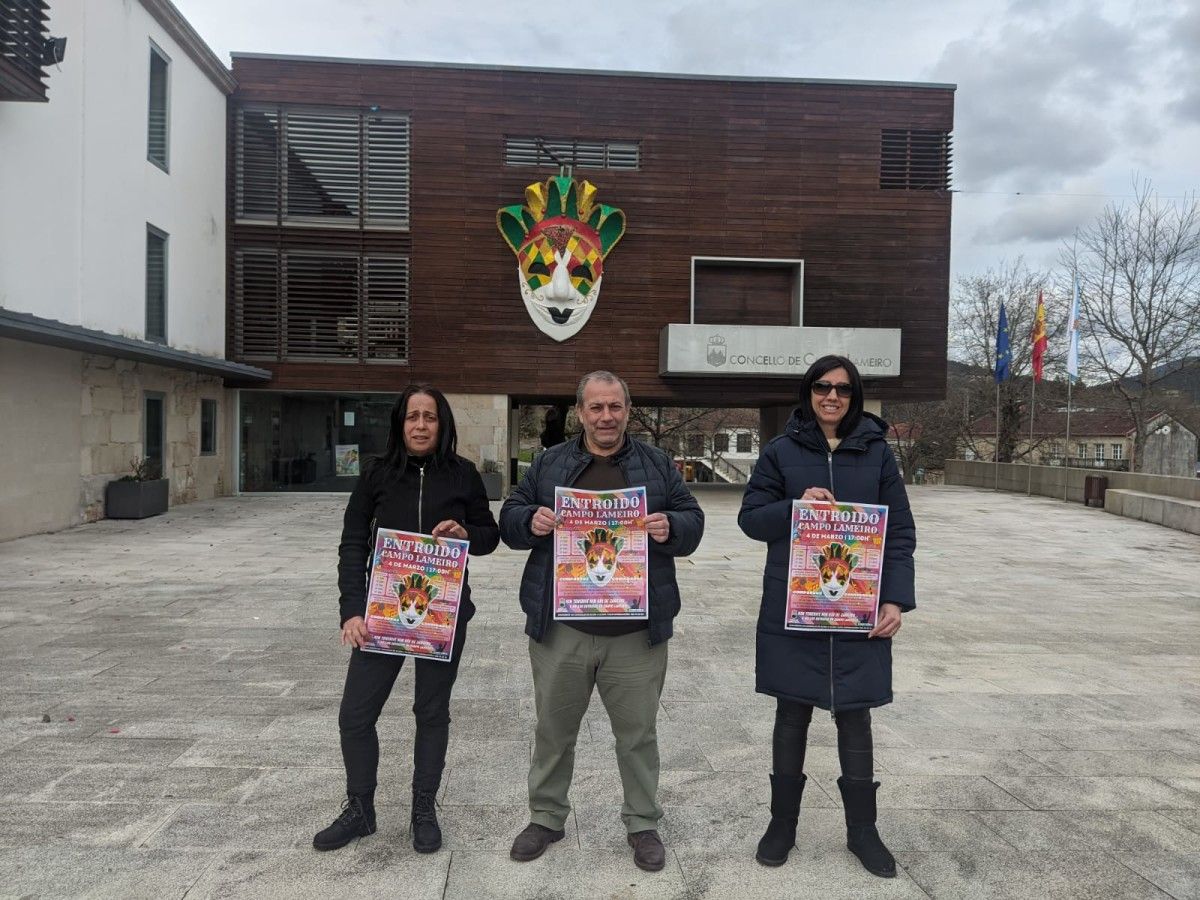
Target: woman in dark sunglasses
{"type": "Point", "coordinates": [830, 450]}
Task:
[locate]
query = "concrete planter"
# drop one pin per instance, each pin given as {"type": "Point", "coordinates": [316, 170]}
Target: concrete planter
{"type": "Point", "coordinates": [493, 482]}
{"type": "Point", "coordinates": [136, 499]}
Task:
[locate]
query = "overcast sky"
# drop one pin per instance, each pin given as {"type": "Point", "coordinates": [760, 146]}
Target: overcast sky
{"type": "Point", "coordinates": [1059, 105]}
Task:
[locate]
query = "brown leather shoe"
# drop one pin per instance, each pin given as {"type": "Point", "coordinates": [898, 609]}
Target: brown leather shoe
{"type": "Point", "coordinates": [649, 854]}
{"type": "Point", "coordinates": [533, 841]}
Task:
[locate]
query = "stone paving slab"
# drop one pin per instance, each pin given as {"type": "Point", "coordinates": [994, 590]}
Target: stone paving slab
{"type": "Point", "coordinates": [168, 707]}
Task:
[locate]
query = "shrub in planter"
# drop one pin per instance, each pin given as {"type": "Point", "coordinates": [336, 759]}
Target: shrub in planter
{"type": "Point", "coordinates": [139, 494]}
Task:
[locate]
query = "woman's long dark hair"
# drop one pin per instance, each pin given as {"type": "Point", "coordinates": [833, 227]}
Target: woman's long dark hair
{"type": "Point", "coordinates": [819, 369]}
{"type": "Point", "coordinates": [445, 450]}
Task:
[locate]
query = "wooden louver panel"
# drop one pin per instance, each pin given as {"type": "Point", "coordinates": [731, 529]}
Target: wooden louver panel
{"type": "Point", "coordinates": [528, 151]}
{"type": "Point", "coordinates": [321, 303]}
{"type": "Point", "coordinates": [386, 302]}
{"type": "Point", "coordinates": [914, 160]}
{"type": "Point", "coordinates": [298, 165]}
{"type": "Point", "coordinates": [385, 175]}
{"type": "Point", "coordinates": [317, 306]}
{"type": "Point", "coordinates": [256, 182]}
{"type": "Point", "coordinates": [23, 34]}
{"type": "Point", "coordinates": [323, 166]}
{"type": "Point", "coordinates": [257, 308]}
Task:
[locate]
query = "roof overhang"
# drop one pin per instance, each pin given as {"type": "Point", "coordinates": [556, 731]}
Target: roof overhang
{"type": "Point", "coordinates": [36, 330]}
{"type": "Point", "coordinates": [171, 19]}
{"type": "Point", "coordinates": [608, 73]}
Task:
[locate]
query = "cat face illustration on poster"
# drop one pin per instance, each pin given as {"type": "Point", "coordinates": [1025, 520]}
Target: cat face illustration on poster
{"type": "Point", "coordinates": [835, 564]}
{"type": "Point", "coordinates": [600, 548]}
{"type": "Point", "coordinates": [414, 594]}
{"type": "Point", "coordinates": [561, 238]}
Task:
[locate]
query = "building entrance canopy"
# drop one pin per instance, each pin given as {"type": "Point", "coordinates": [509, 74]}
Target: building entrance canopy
{"type": "Point", "coordinates": [773, 351]}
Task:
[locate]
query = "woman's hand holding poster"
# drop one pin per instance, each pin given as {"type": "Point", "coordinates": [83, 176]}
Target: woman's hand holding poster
{"type": "Point", "coordinates": [835, 566]}
{"type": "Point", "coordinates": [600, 554]}
{"type": "Point", "coordinates": [412, 601]}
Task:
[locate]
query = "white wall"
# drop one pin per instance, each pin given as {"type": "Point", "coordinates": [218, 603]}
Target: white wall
{"type": "Point", "coordinates": [78, 190]}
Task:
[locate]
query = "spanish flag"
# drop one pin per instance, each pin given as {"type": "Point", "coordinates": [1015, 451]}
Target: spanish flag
{"type": "Point", "coordinates": [1039, 339]}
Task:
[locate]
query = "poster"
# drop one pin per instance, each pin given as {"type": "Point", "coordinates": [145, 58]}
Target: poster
{"type": "Point", "coordinates": [345, 459]}
{"type": "Point", "coordinates": [412, 600]}
{"type": "Point", "coordinates": [600, 554]}
{"type": "Point", "coordinates": [835, 566]}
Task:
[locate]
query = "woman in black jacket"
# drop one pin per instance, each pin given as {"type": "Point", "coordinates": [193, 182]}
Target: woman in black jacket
{"type": "Point", "coordinates": [830, 449]}
{"type": "Point", "coordinates": [422, 485]}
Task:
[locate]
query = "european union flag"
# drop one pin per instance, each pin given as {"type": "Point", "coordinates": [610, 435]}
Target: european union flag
{"type": "Point", "coordinates": [1003, 353]}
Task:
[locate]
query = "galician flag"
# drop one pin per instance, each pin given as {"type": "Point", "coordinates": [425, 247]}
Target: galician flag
{"type": "Point", "coordinates": [1073, 337]}
{"type": "Point", "coordinates": [1039, 339]}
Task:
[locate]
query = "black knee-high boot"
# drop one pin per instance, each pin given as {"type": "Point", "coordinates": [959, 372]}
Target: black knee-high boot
{"type": "Point", "coordinates": [788, 743]}
{"type": "Point", "coordinates": [780, 838]}
{"type": "Point", "coordinates": [862, 837]}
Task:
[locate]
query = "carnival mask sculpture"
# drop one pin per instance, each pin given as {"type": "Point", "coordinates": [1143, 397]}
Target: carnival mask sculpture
{"type": "Point", "coordinates": [561, 237]}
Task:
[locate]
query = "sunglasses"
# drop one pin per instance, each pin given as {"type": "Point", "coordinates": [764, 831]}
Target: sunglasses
{"type": "Point", "coordinates": [822, 389]}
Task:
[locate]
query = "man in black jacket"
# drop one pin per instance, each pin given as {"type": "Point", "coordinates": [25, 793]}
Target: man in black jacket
{"type": "Point", "coordinates": [625, 660]}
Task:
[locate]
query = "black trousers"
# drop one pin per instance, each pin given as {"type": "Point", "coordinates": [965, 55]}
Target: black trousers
{"type": "Point", "coordinates": [790, 740]}
{"type": "Point", "coordinates": [369, 681]}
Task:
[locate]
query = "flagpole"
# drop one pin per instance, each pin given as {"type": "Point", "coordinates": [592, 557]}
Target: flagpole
{"type": "Point", "coordinates": [996, 451]}
{"type": "Point", "coordinates": [1029, 453]}
{"type": "Point", "coordinates": [1067, 456]}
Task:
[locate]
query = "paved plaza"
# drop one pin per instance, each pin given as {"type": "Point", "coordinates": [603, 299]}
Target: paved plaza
{"type": "Point", "coordinates": [169, 691]}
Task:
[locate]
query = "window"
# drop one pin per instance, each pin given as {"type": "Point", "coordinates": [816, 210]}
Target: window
{"type": "Point", "coordinates": [1081, 450]}
{"type": "Point", "coordinates": [743, 442]}
{"type": "Point", "coordinates": [154, 429]}
{"type": "Point", "coordinates": [156, 285]}
{"type": "Point", "coordinates": [721, 442]}
{"type": "Point", "coordinates": [533, 151]}
{"type": "Point", "coordinates": [695, 445]}
{"type": "Point", "coordinates": [328, 306]}
{"type": "Point", "coordinates": [1099, 452]}
{"type": "Point", "coordinates": [208, 427]}
{"type": "Point", "coordinates": [1118, 451]}
{"type": "Point", "coordinates": [157, 144]}
{"type": "Point", "coordinates": [914, 160]}
{"type": "Point", "coordinates": [1056, 450]}
{"type": "Point", "coordinates": [335, 167]}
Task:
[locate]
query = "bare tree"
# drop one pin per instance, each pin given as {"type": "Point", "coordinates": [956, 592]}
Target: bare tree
{"type": "Point", "coordinates": [666, 425]}
{"type": "Point", "coordinates": [924, 435]}
{"type": "Point", "coordinates": [1138, 266]}
{"type": "Point", "coordinates": [975, 316]}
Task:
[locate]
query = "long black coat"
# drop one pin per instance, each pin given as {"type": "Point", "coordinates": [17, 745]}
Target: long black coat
{"type": "Point", "coordinates": [641, 465]}
{"type": "Point", "coordinates": [832, 671]}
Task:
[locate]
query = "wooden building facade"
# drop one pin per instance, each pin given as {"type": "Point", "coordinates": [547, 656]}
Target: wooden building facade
{"type": "Point", "coordinates": [364, 251]}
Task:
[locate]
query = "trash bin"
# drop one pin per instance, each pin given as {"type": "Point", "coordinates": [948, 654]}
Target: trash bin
{"type": "Point", "coordinates": [1094, 487]}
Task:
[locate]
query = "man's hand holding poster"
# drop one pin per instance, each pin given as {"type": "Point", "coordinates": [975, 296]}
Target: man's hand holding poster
{"type": "Point", "coordinates": [835, 566]}
{"type": "Point", "coordinates": [600, 554]}
{"type": "Point", "coordinates": [412, 601]}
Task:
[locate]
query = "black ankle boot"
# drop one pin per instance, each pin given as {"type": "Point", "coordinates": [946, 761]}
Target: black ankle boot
{"type": "Point", "coordinates": [426, 833]}
{"type": "Point", "coordinates": [780, 838]}
{"type": "Point", "coordinates": [862, 838]}
{"type": "Point", "coordinates": [355, 820]}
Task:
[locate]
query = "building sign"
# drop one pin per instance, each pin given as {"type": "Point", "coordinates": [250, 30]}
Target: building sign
{"type": "Point", "coordinates": [561, 237]}
{"type": "Point", "coordinates": [770, 351]}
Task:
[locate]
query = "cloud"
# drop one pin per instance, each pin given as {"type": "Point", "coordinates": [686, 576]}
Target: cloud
{"type": "Point", "coordinates": [1048, 93]}
{"type": "Point", "coordinates": [1038, 219]}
